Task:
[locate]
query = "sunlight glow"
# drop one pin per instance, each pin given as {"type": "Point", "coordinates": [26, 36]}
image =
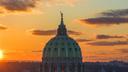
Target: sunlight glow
{"type": "Point", "coordinates": [1, 54]}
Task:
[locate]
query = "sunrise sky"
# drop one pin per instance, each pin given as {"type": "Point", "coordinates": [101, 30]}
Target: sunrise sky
{"type": "Point", "coordinates": [99, 26]}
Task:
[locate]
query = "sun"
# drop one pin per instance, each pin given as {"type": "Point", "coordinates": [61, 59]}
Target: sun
{"type": "Point", "coordinates": [1, 54]}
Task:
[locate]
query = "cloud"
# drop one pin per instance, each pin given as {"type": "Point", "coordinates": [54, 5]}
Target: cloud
{"type": "Point", "coordinates": [36, 51]}
{"type": "Point", "coordinates": [105, 20]}
{"type": "Point", "coordinates": [107, 43]}
{"type": "Point", "coordinates": [108, 18]}
{"type": "Point", "coordinates": [43, 32]}
{"type": "Point", "coordinates": [116, 13]}
{"type": "Point", "coordinates": [105, 52]}
{"type": "Point", "coordinates": [14, 6]}
{"type": "Point", "coordinates": [52, 32]}
{"type": "Point", "coordinates": [60, 2]}
{"type": "Point", "coordinates": [3, 27]}
{"type": "Point", "coordinates": [74, 32]}
{"type": "Point", "coordinates": [83, 40]}
{"type": "Point", "coordinates": [13, 52]}
{"type": "Point", "coordinates": [17, 5]}
{"type": "Point", "coordinates": [123, 50]}
{"type": "Point", "coordinates": [106, 58]}
{"type": "Point", "coordinates": [108, 37]}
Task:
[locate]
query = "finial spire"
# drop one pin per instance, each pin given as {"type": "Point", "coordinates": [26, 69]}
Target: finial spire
{"type": "Point", "coordinates": [62, 31]}
{"type": "Point", "coordinates": [61, 13]}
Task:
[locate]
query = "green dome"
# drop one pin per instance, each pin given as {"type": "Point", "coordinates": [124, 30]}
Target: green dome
{"type": "Point", "coordinates": [62, 47]}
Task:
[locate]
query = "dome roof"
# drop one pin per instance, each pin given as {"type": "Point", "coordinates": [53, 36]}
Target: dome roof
{"type": "Point", "coordinates": [62, 46]}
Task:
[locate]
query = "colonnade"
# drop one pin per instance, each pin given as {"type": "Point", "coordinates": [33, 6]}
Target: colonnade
{"type": "Point", "coordinates": [62, 67]}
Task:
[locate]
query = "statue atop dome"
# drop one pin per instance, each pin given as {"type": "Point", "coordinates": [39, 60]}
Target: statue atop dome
{"type": "Point", "coordinates": [62, 21]}
{"type": "Point", "coordinates": [62, 31]}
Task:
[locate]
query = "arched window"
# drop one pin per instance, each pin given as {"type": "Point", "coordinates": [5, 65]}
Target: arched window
{"type": "Point", "coordinates": [74, 43]}
{"type": "Point", "coordinates": [56, 49]}
{"type": "Point", "coordinates": [55, 52]}
{"type": "Point", "coordinates": [70, 52]}
{"type": "Point", "coordinates": [63, 52]}
{"type": "Point", "coordinates": [76, 49]}
{"type": "Point", "coordinates": [70, 49]}
{"type": "Point", "coordinates": [63, 49]}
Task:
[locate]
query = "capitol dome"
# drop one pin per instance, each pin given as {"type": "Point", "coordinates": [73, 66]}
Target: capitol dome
{"type": "Point", "coordinates": [62, 48]}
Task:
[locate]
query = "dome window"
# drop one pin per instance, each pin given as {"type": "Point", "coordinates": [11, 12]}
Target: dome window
{"type": "Point", "coordinates": [63, 49]}
{"type": "Point", "coordinates": [63, 53]}
{"type": "Point", "coordinates": [76, 49]}
{"type": "Point", "coordinates": [70, 49]}
{"type": "Point", "coordinates": [74, 44]}
{"type": "Point", "coordinates": [56, 49]}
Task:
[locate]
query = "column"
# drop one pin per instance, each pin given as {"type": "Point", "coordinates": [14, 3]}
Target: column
{"type": "Point", "coordinates": [50, 67]}
{"type": "Point", "coordinates": [58, 68]}
{"type": "Point", "coordinates": [67, 68]}
{"type": "Point", "coordinates": [82, 67]}
{"type": "Point", "coordinates": [76, 68]}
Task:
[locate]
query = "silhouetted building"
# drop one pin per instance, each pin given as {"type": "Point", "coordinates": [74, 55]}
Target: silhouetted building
{"type": "Point", "coordinates": [62, 53]}
{"type": "Point", "coordinates": [102, 70]}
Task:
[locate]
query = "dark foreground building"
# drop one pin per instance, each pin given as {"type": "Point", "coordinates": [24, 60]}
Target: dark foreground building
{"type": "Point", "coordinates": [62, 53]}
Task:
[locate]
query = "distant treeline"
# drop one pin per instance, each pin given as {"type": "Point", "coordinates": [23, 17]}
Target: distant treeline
{"type": "Point", "coordinates": [19, 66]}
{"type": "Point", "coordinates": [114, 66]}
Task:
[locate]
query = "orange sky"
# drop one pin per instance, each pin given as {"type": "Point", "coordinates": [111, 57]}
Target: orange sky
{"type": "Point", "coordinates": [17, 23]}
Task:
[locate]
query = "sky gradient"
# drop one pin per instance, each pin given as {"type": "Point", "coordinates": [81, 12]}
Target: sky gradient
{"type": "Point", "coordinates": [99, 26]}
